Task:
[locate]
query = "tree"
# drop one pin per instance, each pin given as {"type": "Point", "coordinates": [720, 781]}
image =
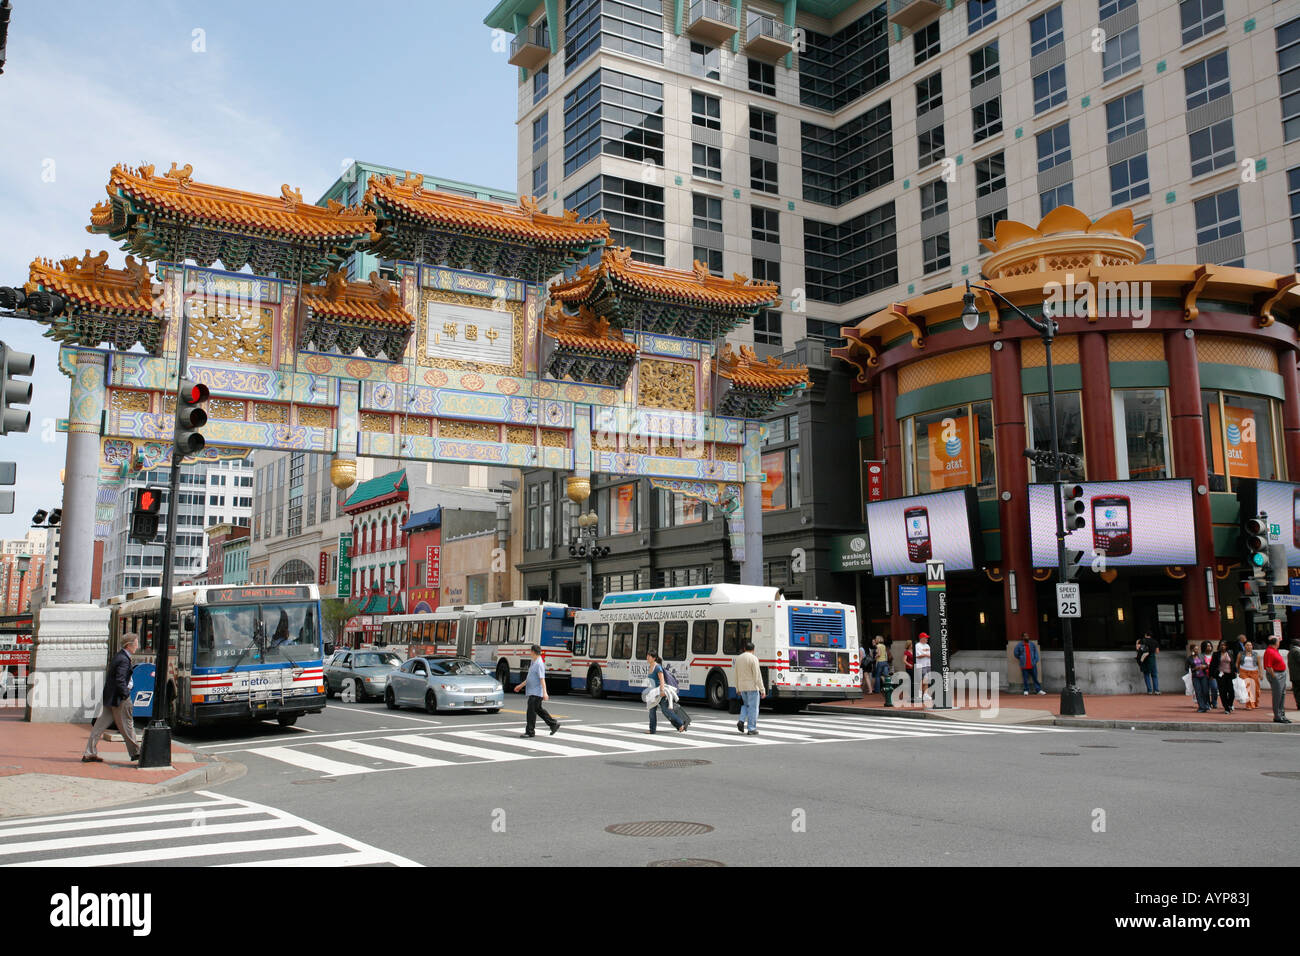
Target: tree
{"type": "Point", "coordinates": [335, 614]}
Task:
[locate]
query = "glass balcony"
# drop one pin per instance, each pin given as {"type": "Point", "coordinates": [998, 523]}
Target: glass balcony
{"type": "Point", "coordinates": [531, 47]}
{"type": "Point", "coordinates": [712, 22]}
{"type": "Point", "coordinates": [768, 38]}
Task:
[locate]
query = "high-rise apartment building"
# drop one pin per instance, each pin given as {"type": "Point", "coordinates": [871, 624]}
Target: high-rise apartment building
{"type": "Point", "coordinates": [857, 152]}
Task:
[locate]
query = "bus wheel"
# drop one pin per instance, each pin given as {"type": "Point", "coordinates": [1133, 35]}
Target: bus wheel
{"type": "Point", "coordinates": [286, 720]}
{"type": "Point", "coordinates": [595, 684]}
{"type": "Point", "coordinates": [503, 675]}
{"type": "Point", "coordinates": [715, 691]}
{"type": "Point", "coordinates": [389, 700]}
{"type": "Point", "coordinates": [431, 702]}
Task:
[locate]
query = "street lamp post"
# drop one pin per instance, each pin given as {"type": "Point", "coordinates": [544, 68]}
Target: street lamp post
{"type": "Point", "coordinates": [584, 546]}
{"type": "Point", "coordinates": [24, 564]}
{"type": "Point", "coordinates": [1046, 327]}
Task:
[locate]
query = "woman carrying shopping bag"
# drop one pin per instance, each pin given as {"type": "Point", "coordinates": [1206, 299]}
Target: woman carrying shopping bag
{"type": "Point", "coordinates": [659, 693]}
{"type": "Point", "coordinates": [1248, 668]}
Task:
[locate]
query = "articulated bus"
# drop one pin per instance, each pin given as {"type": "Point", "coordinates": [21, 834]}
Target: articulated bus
{"type": "Point", "coordinates": [808, 650]}
{"type": "Point", "coordinates": [235, 653]}
{"type": "Point", "coordinates": [504, 632]}
{"type": "Point", "coordinates": [445, 632]}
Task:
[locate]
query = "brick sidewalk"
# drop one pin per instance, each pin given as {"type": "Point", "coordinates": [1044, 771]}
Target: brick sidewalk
{"type": "Point", "coordinates": [41, 769]}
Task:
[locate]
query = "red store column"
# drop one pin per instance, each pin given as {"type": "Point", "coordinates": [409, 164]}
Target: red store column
{"type": "Point", "coordinates": [890, 443]}
{"type": "Point", "coordinates": [1010, 439]}
{"type": "Point", "coordinates": [1098, 418]}
{"type": "Point", "coordinates": [1188, 439]}
{"type": "Point", "coordinates": [1286, 363]}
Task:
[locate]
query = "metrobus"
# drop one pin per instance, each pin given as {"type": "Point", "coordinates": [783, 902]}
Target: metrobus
{"type": "Point", "coordinates": [808, 650]}
{"type": "Point", "coordinates": [439, 633]}
{"type": "Point", "coordinates": [235, 653]}
{"type": "Point", "coordinates": [504, 631]}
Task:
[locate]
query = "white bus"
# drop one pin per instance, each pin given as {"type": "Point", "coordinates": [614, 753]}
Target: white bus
{"type": "Point", "coordinates": [235, 653]}
{"type": "Point", "coordinates": [808, 649]}
{"type": "Point", "coordinates": [445, 632]}
{"type": "Point", "coordinates": [504, 632]}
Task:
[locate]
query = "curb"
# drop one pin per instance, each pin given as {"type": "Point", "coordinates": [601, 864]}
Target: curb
{"type": "Point", "coordinates": [1084, 723]}
{"type": "Point", "coordinates": [924, 715]}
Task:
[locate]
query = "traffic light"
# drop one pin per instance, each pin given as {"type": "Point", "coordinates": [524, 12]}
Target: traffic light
{"type": "Point", "coordinates": [1250, 594]}
{"type": "Point", "coordinates": [8, 475]}
{"type": "Point", "coordinates": [44, 303]}
{"type": "Point", "coordinates": [15, 392]}
{"type": "Point", "coordinates": [1072, 559]}
{"type": "Point", "coordinates": [1256, 538]}
{"type": "Point", "coordinates": [190, 418]}
{"type": "Point", "coordinates": [1074, 507]}
{"type": "Point", "coordinates": [144, 514]}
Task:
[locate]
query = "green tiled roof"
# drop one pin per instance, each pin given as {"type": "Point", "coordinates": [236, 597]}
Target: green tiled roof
{"type": "Point", "coordinates": [378, 487]}
{"type": "Point", "coordinates": [382, 604]}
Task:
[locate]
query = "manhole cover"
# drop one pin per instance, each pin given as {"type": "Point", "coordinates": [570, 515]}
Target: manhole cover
{"type": "Point", "coordinates": [686, 862]}
{"type": "Point", "coordinates": [670, 764]}
{"type": "Point", "coordinates": [1099, 746]}
{"type": "Point", "coordinates": [659, 828]}
{"type": "Point", "coordinates": [1057, 753]}
{"type": "Point", "coordinates": [1283, 774]}
{"type": "Point", "coordinates": [317, 780]}
{"type": "Point", "coordinates": [1191, 740]}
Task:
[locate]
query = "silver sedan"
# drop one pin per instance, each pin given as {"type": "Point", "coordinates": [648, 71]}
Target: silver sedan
{"type": "Point", "coordinates": [443, 683]}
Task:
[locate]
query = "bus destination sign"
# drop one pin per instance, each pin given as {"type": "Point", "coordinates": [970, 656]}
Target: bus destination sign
{"type": "Point", "coordinates": [242, 595]}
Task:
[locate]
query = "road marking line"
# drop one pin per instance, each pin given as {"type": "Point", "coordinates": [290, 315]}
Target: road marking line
{"type": "Point", "coordinates": [154, 854]}
{"type": "Point", "coordinates": [734, 737]}
{"type": "Point", "coordinates": [682, 741]}
{"type": "Point", "coordinates": [627, 746]}
{"type": "Point", "coordinates": [188, 805]}
{"type": "Point", "coordinates": [437, 743]}
{"type": "Point", "coordinates": [330, 768]}
{"type": "Point", "coordinates": [384, 753]}
{"type": "Point", "coordinates": [143, 836]}
{"type": "Point", "coordinates": [388, 713]}
{"type": "Point", "coordinates": [354, 858]}
{"type": "Point", "coordinates": [124, 821]}
{"type": "Point", "coordinates": [530, 744]}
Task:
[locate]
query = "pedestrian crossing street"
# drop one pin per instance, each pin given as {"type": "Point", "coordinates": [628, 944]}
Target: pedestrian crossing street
{"type": "Point", "coordinates": [202, 829]}
{"type": "Point", "coordinates": [449, 749]}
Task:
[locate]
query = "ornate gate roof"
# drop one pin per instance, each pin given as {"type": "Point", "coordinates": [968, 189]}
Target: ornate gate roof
{"type": "Point", "coordinates": [119, 306]}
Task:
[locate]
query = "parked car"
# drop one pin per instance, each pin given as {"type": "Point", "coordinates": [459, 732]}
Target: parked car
{"type": "Point", "coordinates": [362, 673]}
{"type": "Point", "coordinates": [443, 683]}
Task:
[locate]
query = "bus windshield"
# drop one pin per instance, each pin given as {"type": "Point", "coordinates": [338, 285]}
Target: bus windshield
{"type": "Point", "coordinates": [256, 634]}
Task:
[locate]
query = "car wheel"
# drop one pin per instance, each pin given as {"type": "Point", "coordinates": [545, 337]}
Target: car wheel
{"type": "Point", "coordinates": [329, 691]}
{"type": "Point", "coordinates": [503, 676]}
{"type": "Point", "coordinates": [494, 710]}
{"type": "Point", "coordinates": [358, 690]}
{"type": "Point", "coordinates": [287, 720]}
{"type": "Point", "coordinates": [389, 700]}
{"type": "Point", "coordinates": [595, 684]}
{"type": "Point", "coordinates": [715, 691]}
{"type": "Point", "coordinates": [431, 702]}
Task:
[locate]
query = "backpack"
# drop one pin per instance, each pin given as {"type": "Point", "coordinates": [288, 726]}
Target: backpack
{"type": "Point", "coordinates": [671, 679]}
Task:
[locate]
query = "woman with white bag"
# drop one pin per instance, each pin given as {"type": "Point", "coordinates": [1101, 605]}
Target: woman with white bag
{"type": "Point", "coordinates": [1248, 668]}
{"type": "Point", "coordinates": [659, 693]}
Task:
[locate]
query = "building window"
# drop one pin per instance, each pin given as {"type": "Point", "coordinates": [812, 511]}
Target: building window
{"type": "Point", "coordinates": [1218, 217]}
{"type": "Point", "coordinates": [1125, 116]}
{"type": "Point", "coordinates": [934, 199]}
{"type": "Point", "coordinates": [1142, 444]}
{"type": "Point", "coordinates": [541, 131]}
{"type": "Point", "coordinates": [767, 328]}
{"type": "Point", "coordinates": [706, 162]}
{"type": "Point", "coordinates": [708, 212]}
{"type": "Point", "coordinates": [540, 187]}
{"type": "Point", "coordinates": [929, 146]}
{"type": "Point", "coordinates": [706, 111]}
{"type": "Point", "coordinates": [1211, 148]}
{"type": "Point", "coordinates": [712, 259]}
{"type": "Point", "coordinates": [541, 84]}
{"type": "Point", "coordinates": [925, 43]}
{"type": "Point", "coordinates": [1049, 89]}
{"type": "Point", "coordinates": [295, 517]}
{"type": "Point", "coordinates": [850, 160]}
{"type": "Point", "coordinates": [1108, 8]}
{"type": "Point", "coordinates": [614, 113]}
{"type": "Point", "coordinates": [950, 448]}
{"type": "Point", "coordinates": [979, 14]}
{"type": "Point", "coordinates": [984, 64]}
{"type": "Point", "coordinates": [1053, 146]}
{"type": "Point", "coordinates": [675, 511]}
{"type": "Point", "coordinates": [990, 174]}
{"type": "Point", "coordinates": [934, 253]}
{"type": "Point", "coordinates": [762, 175]}
{"type": "Point", "coordinates": [986, 118]}
{"type": "Point", "coordinates": [706, 61]}
{"type": "Point", "coordinates": [988, 224]}
{"type": "Point", "coordinates": [1049, 199]}
{"type": "Point", "coordinates": [1146, 236]}
{"type": "Point", "coordinates": [929, 94]}
{"type": "Point", "coordinates": [826, 331]}
{"type": "Point", "coordinates": [845, 261]}
{"type": "Point", "coordinates": [1069, 427]}
{"type": "Point", "coordinates": [1207, 80]}
{"type": "Point", "coordinates": [1122, 53]}
{"type": "Point", "coordinates": [1046, 31]}
{"type": "Point", "coordinates": [762, 78]}
{"type": "Point", "coordinates": [767, 270]}
{"type": "Point", "coordinates": [1288, 77]}
{"type": "Point", "coordinates": [634, 210]}
{"type": "Point", "coordinates": [634, 27]}
{"type": "Point", "coordinates": [1200, 18]}
{"type": "Point", "coordinates": [781, 490]}
{"type": "Point", "coordinates": [837, 69]}
{"type": "Point", "coordinates": [1129, 180]}
{"type": "Point", "coordinates": [765, 224]}
{"type": "Point", "coordinates": [1241, 434]}
{"type": "Point", "coordinates": [617, 509]}
{"type": "Point", "coordinates": [762, 125]}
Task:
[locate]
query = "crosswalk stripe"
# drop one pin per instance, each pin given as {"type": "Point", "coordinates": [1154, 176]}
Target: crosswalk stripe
{"type": "Point", "coordinates": [763, 731]}
{"type": "Point", "coordinates": [443, 744]}
{"type": "Point", "coordinates": [386, 753]}
{"type": "Point", "coordinates": [154, 854]}
{"type": "Point", "coordinates": [698, 729]}
{"type": "Point", "coordinates": [143, 836]}
{"type": "Point", "coordinates": [940, 723]}
{"type": "Point", "coordinates": [531, 743]}
{"type": "Point", "coordinates": [24, 821]}
{"type": "Point", "coordinates": [208, 814]}
{"type": "Point", "coordinates": [309, 761]}
{"type": "Point", "coordinates": [891, 730]}
{"type": "Point", "coordinates": [627, 746]}
{"type": "Point", "coordinates": [683, 741]}
{"type": "Point", "coordinates": [354, 858]}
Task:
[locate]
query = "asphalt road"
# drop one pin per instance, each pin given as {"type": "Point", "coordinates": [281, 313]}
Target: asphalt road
{"type": "Point", "coordinates": [360, 784]}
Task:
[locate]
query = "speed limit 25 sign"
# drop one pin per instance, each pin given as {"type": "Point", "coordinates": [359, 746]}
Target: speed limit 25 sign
{"type": "Point", "coordinates": [1067, 601]}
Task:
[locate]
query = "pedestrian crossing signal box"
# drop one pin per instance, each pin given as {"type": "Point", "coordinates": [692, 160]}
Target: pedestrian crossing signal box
{"type": "Point", "coordinates": [144, 514]}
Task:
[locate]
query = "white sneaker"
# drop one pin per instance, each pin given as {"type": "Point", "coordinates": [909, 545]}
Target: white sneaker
{"type": "Point", "coordinates": [1042, 693]}
{"type": "Point", "coordinates": [1026, 693]}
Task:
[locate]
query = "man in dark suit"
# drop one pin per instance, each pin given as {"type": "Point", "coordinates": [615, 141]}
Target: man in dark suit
{"type": "Point", "coordinates": [117, 704]}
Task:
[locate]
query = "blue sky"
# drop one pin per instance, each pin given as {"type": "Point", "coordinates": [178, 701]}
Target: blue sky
{"type": "Point", "coordinates": [276, 93]}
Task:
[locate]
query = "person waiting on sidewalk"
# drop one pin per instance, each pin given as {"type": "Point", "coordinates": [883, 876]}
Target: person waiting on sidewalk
{"type": "Point", "coordinates": [116, 707]}
{"type": "Point", "coordinates": [1248, 668]}
{"type": "Point", "coordinates": [1224, 669]}
{"type": "Point", "coordinates": [880, 667]}
{"type": "Point", "coordinates": [1027, 655]}
{"type": "Point", "coordinates": [909, 665]}
{"type": "Point", "coordinates": [1293, 664]}
{"type": "Point", "coordinates": [1275, 668]}
{"type": "Point", "coordinates": [749, 685]}
{"type": "Point", "coordinates": [1200, 666]}
{"type": "Point", "coordinates": [922, 652]}
{"type": "Point", "coordinates": [1146, 660]}
{"type": "Point", "coordinates": [867, 664]}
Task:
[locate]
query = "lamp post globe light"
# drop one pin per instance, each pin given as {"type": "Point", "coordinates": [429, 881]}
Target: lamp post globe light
{"type": "Point", "coordinates": [1054, 462]}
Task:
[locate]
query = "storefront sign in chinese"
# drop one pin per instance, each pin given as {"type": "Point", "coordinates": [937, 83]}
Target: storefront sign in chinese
{"type": "Point", "coordinates": [463, 333]}
{"type": "Point", "coordinates": [433, 560]}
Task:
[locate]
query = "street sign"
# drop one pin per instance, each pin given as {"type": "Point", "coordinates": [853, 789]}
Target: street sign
{"type": "Point", "coordinates": [345, 566]}
{"type": "Point", "coordinates": [1067, 601]}
{"type": "Point", "coordinates": [911, 599]}
{"type": "Point", "coordinates": [936, 591]}
{"type": "Point", "coordinates": [1286, 600]}
{"type": "Point", "coordinates": [875, 480]}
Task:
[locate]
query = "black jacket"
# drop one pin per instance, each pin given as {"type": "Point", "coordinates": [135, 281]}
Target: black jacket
{"type": "Point", "coordinates": [116, 677]}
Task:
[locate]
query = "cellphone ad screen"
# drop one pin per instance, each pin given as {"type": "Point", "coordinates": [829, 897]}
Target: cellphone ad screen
{"type": "Point", "coordinates": [1277, 499]}
{"type": "Point", "coordinates": [1131, 523]}
{"type": "Point", "coordinates": [906, 532]}
{"type": "Point", "coordinates": [1111, 517]}
{"type": "Point", "coordinates": [918, 527]}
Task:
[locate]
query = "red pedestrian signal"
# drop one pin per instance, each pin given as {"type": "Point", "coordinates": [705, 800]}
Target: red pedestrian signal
{"type": "Point", "coordinates": [144, 515]}
{"type": "Point", "coordinates": [190, 417]}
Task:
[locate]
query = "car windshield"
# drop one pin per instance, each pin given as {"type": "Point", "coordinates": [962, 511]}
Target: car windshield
{"type": "Point", "coordinates": [256, 634]}
{"type": "Point", "coordinates": [376, 660]}
{"type": "Point", "coordinates": [459, 666]}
